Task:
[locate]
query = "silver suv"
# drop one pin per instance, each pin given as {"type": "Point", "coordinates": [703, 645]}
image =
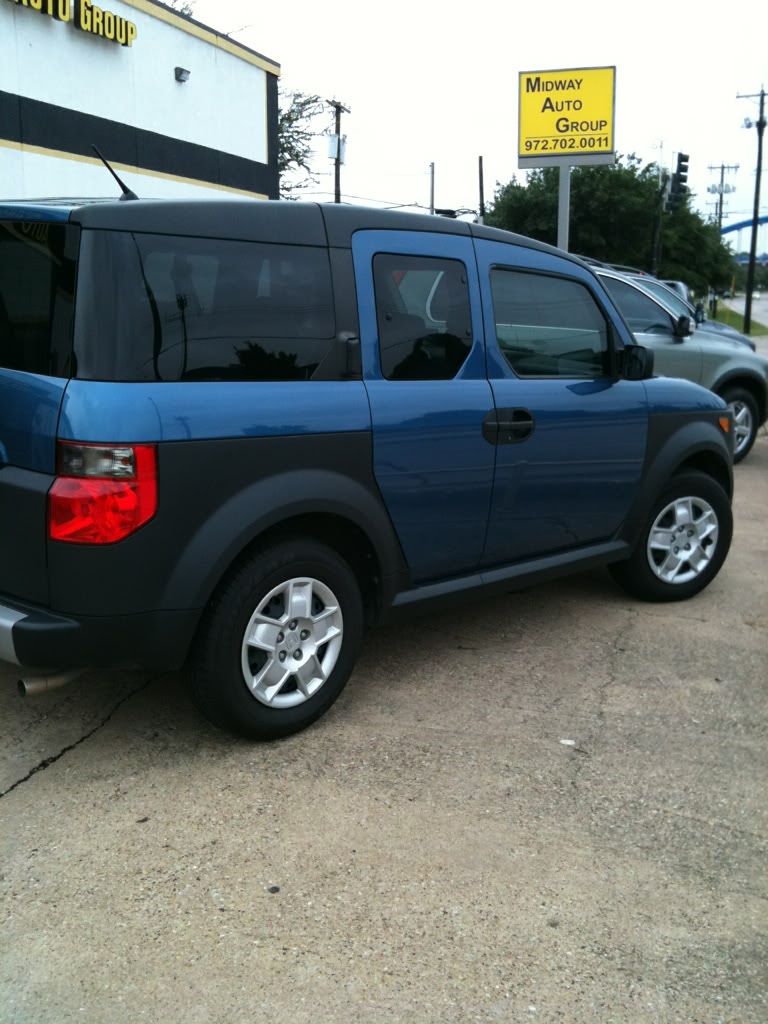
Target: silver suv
{"type": "Point", "coordinates": [724, 366]}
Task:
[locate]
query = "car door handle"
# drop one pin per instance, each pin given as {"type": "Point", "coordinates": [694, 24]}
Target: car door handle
{"type": "Point", "coordinates": [508, 426]}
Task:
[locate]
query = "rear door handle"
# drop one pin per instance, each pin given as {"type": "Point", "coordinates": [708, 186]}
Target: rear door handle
{"type": "Point", "coordinates": [508, 426]}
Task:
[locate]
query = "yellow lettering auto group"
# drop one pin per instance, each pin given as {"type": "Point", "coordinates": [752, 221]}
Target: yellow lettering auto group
{"type": "Point", "coordinates": [564, 124]}
{"type": "Point", "coordinates": [86, 16]}
{"type": "Point", "coordinates": [91, 18]}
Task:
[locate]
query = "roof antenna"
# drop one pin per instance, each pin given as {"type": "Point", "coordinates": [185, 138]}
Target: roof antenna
{"type": "Point", "coordinates": [127, 193]}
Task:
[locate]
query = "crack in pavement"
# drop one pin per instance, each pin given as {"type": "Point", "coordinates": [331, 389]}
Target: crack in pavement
{"type": "Point", "coordinates": [590, 744]}
{"type": "Point", "coordinates": [48, 761]}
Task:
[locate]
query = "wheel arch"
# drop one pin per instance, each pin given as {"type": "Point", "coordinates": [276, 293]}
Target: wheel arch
{"type": "Point", "coordinates": [338, 532]}
{"type": "Point", "coordinates": [318, 505]}
{"type": "Point", "coordinates": [710, 463]}
{"type": "Point", "coordinates": [750, 382]}
{"type": "Point", "coordinates": [675, 446]}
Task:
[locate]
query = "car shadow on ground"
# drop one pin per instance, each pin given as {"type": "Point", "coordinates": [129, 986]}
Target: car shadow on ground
{"type": "Point", "coordinates": [139, 707]}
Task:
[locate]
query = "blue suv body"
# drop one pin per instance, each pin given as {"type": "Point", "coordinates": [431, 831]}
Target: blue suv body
{"type": "Point", "coordinates": [232, 434]}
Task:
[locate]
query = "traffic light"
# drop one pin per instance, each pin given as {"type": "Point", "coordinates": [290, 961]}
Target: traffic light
{"type": "Point", "coordinates": [678, 189]}
{"type": "Point", "coordinates": [682, 171]}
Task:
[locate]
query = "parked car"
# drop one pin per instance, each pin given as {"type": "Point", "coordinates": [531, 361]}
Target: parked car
{"type": "Point", "coordinates": [681, 307]}
{"type": "Point", "coordinates": [681, 289]}
{"type": "Point", "coordinates": [720, 364]}
{"type": "Point", "coordinates": [234, 434]}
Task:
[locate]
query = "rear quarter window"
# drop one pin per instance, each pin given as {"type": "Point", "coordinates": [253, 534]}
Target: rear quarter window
{"type": "Point", "coordinates": [37, 275]}
{"type": "Point", "coordinates": [169, 308]}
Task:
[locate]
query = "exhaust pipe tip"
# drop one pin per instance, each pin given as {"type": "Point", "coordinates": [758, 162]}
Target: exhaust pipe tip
{"type": "Point", "coordinates": [31, 686]}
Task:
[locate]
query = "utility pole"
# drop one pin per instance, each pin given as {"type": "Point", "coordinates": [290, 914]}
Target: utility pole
{"type": "Point", "coordinates": [756, 215]}
{"type": "Point", "coordinates": [481, 210]}
{"type": "Point", "coordinates": [432, 188]}
{"type": "Point", "coordinates": [721, 189]}
{"type": "Point", "coordinates": [661, 202]}
{"type": "Point", "coordinates": [659, 168]}
{"type": "Point", "coordinates": [339, 108]}
{"type": "Point", "coordinates": [564, 206]}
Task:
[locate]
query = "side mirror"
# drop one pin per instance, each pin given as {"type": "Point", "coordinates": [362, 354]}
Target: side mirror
{"type": "Point", "coordinates": [683, 327]}
{"type": "Point", "coordinates": [636, 363]}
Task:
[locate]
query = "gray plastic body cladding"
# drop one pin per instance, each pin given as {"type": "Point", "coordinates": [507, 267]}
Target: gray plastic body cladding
{"type": "Point", "coordinates": [216, 498]}
{"type": "Point", "coordinates": [23, 569]}
{"type": "Point", "coordinates": [673, 439]}
{"type": "Point", "coordinates": [154, 641]}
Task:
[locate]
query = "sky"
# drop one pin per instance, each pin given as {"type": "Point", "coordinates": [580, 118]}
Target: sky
{"type": "Point", "coordinates": [429, 81]}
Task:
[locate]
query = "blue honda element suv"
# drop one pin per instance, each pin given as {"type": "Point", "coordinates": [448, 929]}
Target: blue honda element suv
{"type": "Point", "coordinates": [234, 434]}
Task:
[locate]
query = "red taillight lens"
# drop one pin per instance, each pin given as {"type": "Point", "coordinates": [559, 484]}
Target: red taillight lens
{"type": "Point", "coordinates": [103, 493]}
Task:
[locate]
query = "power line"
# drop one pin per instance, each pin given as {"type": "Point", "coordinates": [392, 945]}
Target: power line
{"type": "Point", "coordinates": [391, 203]}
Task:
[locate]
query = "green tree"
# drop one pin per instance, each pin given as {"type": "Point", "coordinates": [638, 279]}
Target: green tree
{"type": "Point", "coordinates": [614, 209]}
{"type": "Point", "coordinates": [295, 136]}
{"type": "Point", "coordinates": [693, 251]}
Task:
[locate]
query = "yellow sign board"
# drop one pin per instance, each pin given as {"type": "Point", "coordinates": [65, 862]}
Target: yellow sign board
{"type": "Point", "coordinates": [566, 116]}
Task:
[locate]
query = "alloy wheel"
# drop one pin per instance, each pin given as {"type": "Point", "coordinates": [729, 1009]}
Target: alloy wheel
{"type": "Point", "coordinates": [742, 425]}
{"type": "Point", "coordinates": [682, 540]}
{"type": "Point", "coordinates": [292, 642]}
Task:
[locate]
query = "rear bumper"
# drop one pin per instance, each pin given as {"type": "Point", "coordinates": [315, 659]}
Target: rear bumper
{"type": "Point", "coordinates": [35, 638]}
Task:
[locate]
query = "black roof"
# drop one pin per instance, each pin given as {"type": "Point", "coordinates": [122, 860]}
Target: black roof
{"type": "Point", "coordinates": [263, 220]}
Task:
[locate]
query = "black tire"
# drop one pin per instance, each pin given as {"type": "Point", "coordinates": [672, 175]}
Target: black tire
{"type": "Point", "coordinates": [739, 398]}
{"type": "Point", "coordinates": [635, 574]}
{"type": "Point", "coordinates": [217, 663]}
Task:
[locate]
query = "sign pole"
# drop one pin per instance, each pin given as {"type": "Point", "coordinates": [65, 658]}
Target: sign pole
{"type": "Point", "coordinates": [564, 207]}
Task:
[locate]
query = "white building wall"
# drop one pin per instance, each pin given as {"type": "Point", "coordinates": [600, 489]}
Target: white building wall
{"type": "Point", "coordinates": [223, 106]}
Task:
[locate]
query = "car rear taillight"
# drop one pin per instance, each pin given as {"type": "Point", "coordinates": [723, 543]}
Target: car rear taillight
{"type": "Point", "coordinates": [102, 493]}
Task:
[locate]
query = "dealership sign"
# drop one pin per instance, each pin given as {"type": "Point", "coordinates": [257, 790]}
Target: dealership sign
{"type": "Point", "coordinates": [566, 116]}
{"type": "Point", "coordinates": [86, 16]}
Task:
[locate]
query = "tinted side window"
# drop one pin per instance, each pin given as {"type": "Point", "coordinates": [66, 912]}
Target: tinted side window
{"type": "Point", "coordinates": [157, 307]}
{"type": "Point", "coordinates": [423, 316]}
{"type": "Point", "coordinates": [639, 310]}
{"type": "Point", "coordinates": [36, 295]}
{"type": "Point", "coordinates": [548, 326]}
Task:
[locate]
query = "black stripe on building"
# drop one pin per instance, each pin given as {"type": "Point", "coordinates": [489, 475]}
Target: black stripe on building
{"type": "Point", "coordinates": [35, 123]}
